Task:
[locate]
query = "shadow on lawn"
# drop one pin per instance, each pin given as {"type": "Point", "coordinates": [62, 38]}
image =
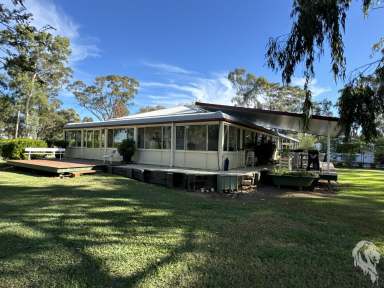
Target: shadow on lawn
{"type": "Point", "coordinates": [123, 233]}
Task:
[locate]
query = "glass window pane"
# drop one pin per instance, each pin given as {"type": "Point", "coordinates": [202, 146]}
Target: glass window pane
{"type": "Point", "coordinates": [225, 137]}
{"type": "Point", "coordinates": [78, 138]}
{"type": "Point", "coordinates": [70, 138]}
{"type": "Point", "coordinates": [232, 140]}
{"type": "Point", "coordinates": [167, 137]}
{"type": "Point", "coordinates": [118, 136]}
{"type": "Point", "coordinates": [130, 132]}
{"type": "Point", "coordinates": [140, 136]}
{"type": "Point", "coordinates": [197, 137]}
{"type": "Point", "coordinates": [180, 132]}
{"type": "Point", "coordinates": [96, 138]}
{"type": "Point", "coordinates": [89, 138]}
{"type": "Point", "coordinates": [110, 138]}
{"type": "Point", "coordinates": [238, 139]}
{"type": "Point", "coordinates": [213, 137]}
{"type": "Point", "coordinates": [152, 138]}
{"type": "Point", "coordinates": [102, 138]}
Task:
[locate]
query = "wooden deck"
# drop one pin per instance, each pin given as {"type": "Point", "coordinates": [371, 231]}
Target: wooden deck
{"type": "Point", "coordinates": [249, 171]}
{"type": "Point", "coordinates": [56, 166]}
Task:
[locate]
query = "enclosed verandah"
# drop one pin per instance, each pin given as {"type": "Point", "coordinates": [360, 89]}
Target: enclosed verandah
{"type": "Point", "coordinates": [276, 120]}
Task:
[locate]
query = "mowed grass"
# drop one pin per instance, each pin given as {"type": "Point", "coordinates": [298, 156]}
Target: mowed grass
{"type": "Point", "coordinates": [109, 231]}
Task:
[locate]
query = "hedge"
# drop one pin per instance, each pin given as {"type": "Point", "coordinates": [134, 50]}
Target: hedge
{"type": "Point", "coordinates": [15, 148]}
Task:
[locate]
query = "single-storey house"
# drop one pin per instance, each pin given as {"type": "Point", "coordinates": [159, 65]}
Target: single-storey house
{"type": "Point", "coordinates": [202, 136]}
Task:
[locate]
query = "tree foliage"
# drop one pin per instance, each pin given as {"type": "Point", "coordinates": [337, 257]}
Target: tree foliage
{"type": "Point", "coordinates": [315, 24]}
{"type": "Point", "coordinates": [258, 92]}
{"type": "Point", "coordinates": [150, 108]}
{"type": "Point", "coordinates": [37, 67]}
{"type": "Point", "coordinates": [87, 119]}
{"type": "Point", "coordinates": [107, 97]}
{"type": "Point", "coordinates": [360, 104]}
{"type": "Point", "coordinates": [34, 69]}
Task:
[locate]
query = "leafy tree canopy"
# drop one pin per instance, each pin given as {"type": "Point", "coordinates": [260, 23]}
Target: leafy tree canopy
{"type": "Point", "coordinates": [87, 119]}
{"type": "Point", "coordinates": [150, 108]}
{"type": "Point", "coordinates": [315, 24]}
{"type": "Point", "coordinates": [257, 92]}
{"type": "Point", "coordinates": [106, 98]}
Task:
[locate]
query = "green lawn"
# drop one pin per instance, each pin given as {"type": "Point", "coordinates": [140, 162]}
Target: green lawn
{"type": "Point", "coordinates": [109, 231]}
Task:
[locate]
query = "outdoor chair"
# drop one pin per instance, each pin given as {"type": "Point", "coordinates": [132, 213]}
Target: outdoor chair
{"type": "Point", "coordinates": [109, 156]}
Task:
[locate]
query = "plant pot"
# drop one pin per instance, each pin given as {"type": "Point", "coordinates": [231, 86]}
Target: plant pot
{"type": "Point", "coordinates": [293, 181]}
{"type": "Point", "coordinates": [127, 158]}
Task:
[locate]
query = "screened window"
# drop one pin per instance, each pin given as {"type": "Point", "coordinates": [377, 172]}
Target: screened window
{"type": "Point", "coordinates": [197, 137]}
{"type": "Point", "coordinates": [73, 138]}
{"type": "Point", "coordinates": [167, 137]}
{"type": "Point", "coordinates": [248, 138]}
{"type": "Point", "coordinates": [116, 136]}
{"type": "Point", "coordinates": [96, 138]}
{"type": "Point", "coordinates": [226, 128]}
{"type": "Point", "coordinates": [180, 137]}
{"type": "Point", "coordinates": [89, 138]}
{"type": "Point", "coordinates": [110, 138]}
{"type": "Point", "coordinates": [140, 136]}
{"type": "Point", "coordinates": [232, 138]}
{"type": "Point", "coordinates": [102, 138]}
{"type": "Point", "coordinates": [213, 137]}
{"type": "Point", "coordinates": [152, 138]}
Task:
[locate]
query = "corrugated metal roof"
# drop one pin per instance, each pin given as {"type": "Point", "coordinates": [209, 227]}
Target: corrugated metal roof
{"type": "Point", "coordinates": [171, 115]}
{"type": "Point", "coordinates": [318, 125]}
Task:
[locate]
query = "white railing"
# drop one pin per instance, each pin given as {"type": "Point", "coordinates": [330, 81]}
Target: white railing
{"type": "Point", "coordinates": [44, 151]}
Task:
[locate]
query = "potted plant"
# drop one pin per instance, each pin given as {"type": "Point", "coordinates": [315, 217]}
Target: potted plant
{"type": "Point", "coordinates": [127, 149]}
{"type": "Point", "coordinates": [300, 179]}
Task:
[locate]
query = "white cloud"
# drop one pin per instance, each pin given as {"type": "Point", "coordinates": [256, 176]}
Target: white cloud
{"type": "Point", "coordinates": [45, 12]}
{"type": "Point", "coordinates": [214, 89]}
{"type": "Point", "coordinates": [313, 86]}
{"type": "Point", "coordinates": [168, 68]}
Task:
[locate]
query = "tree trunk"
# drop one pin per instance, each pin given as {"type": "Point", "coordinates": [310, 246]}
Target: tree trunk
{"type": "Point", "coordinates": [29, 97]}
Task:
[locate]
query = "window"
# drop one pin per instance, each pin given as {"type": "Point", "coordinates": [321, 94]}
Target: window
{"type": "Point", "coordinates": [232, 138]}
{"type": "Point", "coordinates": [102, 138]}
{"type": "Point", "coordinates": [226, 128]}
{"type": "Point", "coordinates": [117, 135]}
{"type": "Point", "coordinates": [180, 137]}
{"type": "Point", "coordinates": [70, 139]}
{"type": "Point", "coordinates": [167, 137]}
{"type": "Point", "coordinates": [96, 138]}
{"type": "Point", "coordinates": [140, 134]}
{"type": "Point", "coordinates": [197, 137]}
{"type": "Point", "coordinates": [78, 138]}
{"type": "Point", "coordinates": [152, 138]}
{"type": "Point", "coordinates": [73, 138]}
{"type": "Point", "coordinates": [213, 137]}
{"type": "Point", "coordinates": [110, 138]}
{"type": "Point", "coordinates": [248, 138]}
{"type": "Point", "coordinates": [89, 138]}
{"type": "Point", "coordinates": [241, 136]}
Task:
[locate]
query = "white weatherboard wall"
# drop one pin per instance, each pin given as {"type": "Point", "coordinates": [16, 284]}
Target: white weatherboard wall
{"type": "Point", "coordinates": [210, 160]}
{"type": "Point", "coordinates": [153, 156]}
{"type": "Point", "coordinates": [196, 159]}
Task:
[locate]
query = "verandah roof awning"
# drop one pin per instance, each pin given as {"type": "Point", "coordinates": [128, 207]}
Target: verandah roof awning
{"type": "Point", "coordinates": [318, 125]}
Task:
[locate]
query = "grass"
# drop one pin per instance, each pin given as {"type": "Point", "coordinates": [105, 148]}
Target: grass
{"type": "Point", "coordinates": [109, 231]}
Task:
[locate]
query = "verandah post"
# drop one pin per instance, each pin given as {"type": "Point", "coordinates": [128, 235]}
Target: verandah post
{"type": "Point", "coordinates": [221, 145]}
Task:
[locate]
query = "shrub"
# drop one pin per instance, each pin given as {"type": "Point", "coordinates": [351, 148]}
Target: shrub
{"type": "Point", "coordinates": [57, 143]}
{"type": "Point", "coordinates": [126, 149]}
{"type": "Point", "coordinates": [298, 173]}
{"type": "Point", "coordinates": [15, 148]}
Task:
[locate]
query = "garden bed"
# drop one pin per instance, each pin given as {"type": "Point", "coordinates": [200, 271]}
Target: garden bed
{"type": "Point", "coordinates": [299, 179]}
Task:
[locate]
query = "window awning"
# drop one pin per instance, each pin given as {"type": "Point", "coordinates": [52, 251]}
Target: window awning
{"type": "Point", "coordinates": [318, 125]}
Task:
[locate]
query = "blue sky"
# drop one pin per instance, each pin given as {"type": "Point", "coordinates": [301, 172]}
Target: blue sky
{"type": "Point", "coordinates": [182, 50]}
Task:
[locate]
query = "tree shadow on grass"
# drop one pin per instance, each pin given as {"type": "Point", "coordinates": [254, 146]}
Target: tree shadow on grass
{"type": "Point", "coordinates": [122, 233]}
